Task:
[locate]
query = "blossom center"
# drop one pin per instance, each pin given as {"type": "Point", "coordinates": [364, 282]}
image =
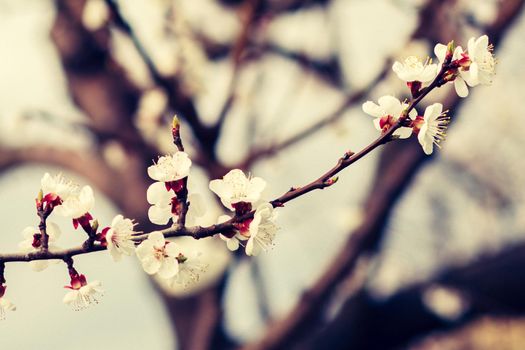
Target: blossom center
{"type": "Point", "coordinates": [414, 63]}
{"type": "Point", "coordinates": [487, 62]}
{"type": "Point", "coordinates": [387, 121]}
{"type": "Point", "coordinates": [160, 253]}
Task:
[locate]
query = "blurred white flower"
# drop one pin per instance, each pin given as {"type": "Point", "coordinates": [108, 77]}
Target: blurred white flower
{"type": "Point", "coordinates": [158, 256]}
{"type": "Point", "coordinates": [83, 294]}
{"type": "Point", "coordinates": [171, 167]}
{"type": "Point", "coordinates": [152, 104]}
{"type": "Point", "coordinates": [5, 305]}
{"type": "Point", "coordinates": [33, 242]}
{"type": "Point", "coordinates": [432, 131]}
{"type": "Point", "coordinates": [412, 69]}
{"type": "Point", "coordinates": [262, 230]}
{"type": "Point", "coordinates": [387, 113]}
{"type": "Point", "coordinates": [211, 255]}
{"type": "Point", "coordinates": [445, 302]}
{"type": "Point", "coordinates": [95, 14]}
{"type": "Point", "coordinates": [119, 237]}
{"type": "Point", "coordinates": [235, 187]}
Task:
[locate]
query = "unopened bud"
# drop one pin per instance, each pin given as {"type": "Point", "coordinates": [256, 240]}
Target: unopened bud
{"type": "Point", "coordinates": [450, 51]}
{"type": "Point", "coordinates": [94, 226]}
{"type": "Point", "coordinates": [40, 196]}
{"type": "Point", "coordinates": [175, 122]}
{"type": "Point", "coordinates": [331, 181]}
{"type": "Point", "coordinates": [348, 154]}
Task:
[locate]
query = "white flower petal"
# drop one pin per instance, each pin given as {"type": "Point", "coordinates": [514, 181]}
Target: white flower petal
{"type": "Point", "coordinates": [151, 265]}
{"type": "Point", "coordinates": [252, 249]}
{"type": "Point", "coordinates": [232, 244]}
{"type": "Point", "coordinates": [440, 51]}
{"type": "Point", "coordinates": [70, 297]}
{"type": "Point", "coordinates": [372, 109]}
{"type": "Point", "coordinates": [159, 215]}
{"type": "Point", "coordinates": [53, 230]}
{"type": "Point", "coordinates": [5, 305]}
{"type": "Point", "coordinates": [157, 239]}
{"type": "Point", "coordinates": [461, 87]}
{"type": "Point", "coordinates": [144, 249]}
{"type": "Point", "coordinates": [29, 231]}
{"type": "Point", "coordinates": [169, 268]}
{"type": "Point", "coordinates": [172, 250]}
{"type": "Point", "coordinates": [157, 193]}
{"type": "Point", "coordinates": [197, 205]}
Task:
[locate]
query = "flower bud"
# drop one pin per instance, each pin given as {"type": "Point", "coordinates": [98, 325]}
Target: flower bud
{"type": "Point", "coordinates": [40, 196]}
{"type": "Point", "coordinates": [94, 226]}
{"type": "Point", "coordinates": [175, 123]}
{"type": "Point", "coordinates": [450, 50]}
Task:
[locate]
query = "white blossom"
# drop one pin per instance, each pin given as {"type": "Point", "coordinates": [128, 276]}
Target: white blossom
{"type": "Point", "coordinates": [119, 237]}
{"type": "Point", "coordinates": [190, 269]}
{"type": "Point", "coordinates": [32, 244]}
{"type": "Point", "coordinates": [95, 14]}
{"type": "Point", "coordinates": [83, 294]}
{"type": "Point", "coordinates": [235, 187]}
{"type": "Point", "coordinates": [170, 168]}
{"type": "Point", "coordinates": [262, 230]}
{"type": "Point", "coordinates": [389, 109]}
{"type": "Point", "coordinates": [158, 256]}
{"type": "Point", "coordinates": [432, 131]}
{"type": "Point", "coordinates": [213, 257]}
{"type": "Point", "coordinates": [412, 69]}
{"type": "Point", "coordinates": [5, 305]}
{"type": "Point", "coordinates": [78, 204]}
{"type": "Point", "coordinates": [482, 63]}
{"type": "Point", "coordinates": [460, 85]}
{"type": "Point", "coordinates": [58, 185]}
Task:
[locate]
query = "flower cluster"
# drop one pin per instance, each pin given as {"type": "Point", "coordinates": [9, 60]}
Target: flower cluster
{"type": "Point", "coordinates": [168, 194]}
{"type": "Point", "coordinates": [62, 197]}
{"type": "Point", "coordinates": [252, 224]}
{"type": "Point", "coordinates": [167, 260]}
{"type": "Point", "coordinates": [473, 67]}
{"type": "Point", "coordinates": [240, 193]}
{"type": "Point", "coordinates": [67, 199]}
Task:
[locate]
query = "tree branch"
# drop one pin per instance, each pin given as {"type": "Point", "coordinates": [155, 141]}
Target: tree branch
{"type": "Point", "coordinates": [305, 315]}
